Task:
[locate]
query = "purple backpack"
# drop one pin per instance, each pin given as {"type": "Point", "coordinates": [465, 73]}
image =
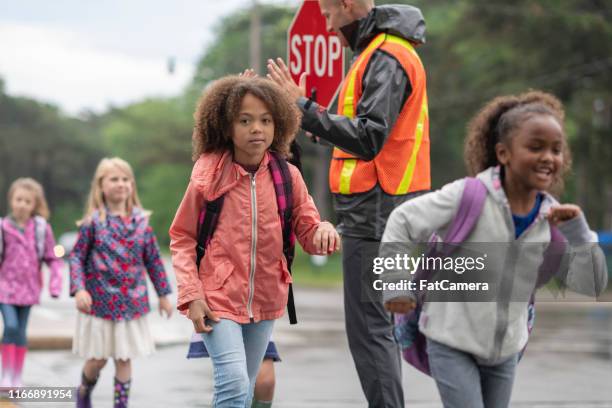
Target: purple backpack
{"type": "Point", "coordinates": [409, 338]}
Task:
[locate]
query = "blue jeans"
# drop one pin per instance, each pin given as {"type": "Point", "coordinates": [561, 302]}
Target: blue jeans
{"type": "Point", "coordinates": [462, 382]}
{"type": "Point", "coordinates": [15, 320]}
{"type": "Point", "coordinates": [237, 351]}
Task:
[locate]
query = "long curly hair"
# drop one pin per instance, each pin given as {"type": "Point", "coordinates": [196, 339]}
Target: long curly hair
{"type": "Point", "coordinates": [497, 120]}
{"type": "Point", "coordinates": [219, 106]}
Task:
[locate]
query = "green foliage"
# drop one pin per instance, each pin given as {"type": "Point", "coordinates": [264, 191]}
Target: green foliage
{"type": "Point", "coordinates": [499, 48]}
{"type": "Point", "coordinates": [230, 53]}
{"type": "Point", "coordinates": [479, 49]}
{"type": "Point", "coordinates": [161, 189]}
{"type": "Point", "coordinates": [154, 137]}
{"type": "Point", "coordinates": [150, 132]}
{"type": "Point", "coordinates": [304, 272]}
{"type": "Point", "coordinates": [37, 141]}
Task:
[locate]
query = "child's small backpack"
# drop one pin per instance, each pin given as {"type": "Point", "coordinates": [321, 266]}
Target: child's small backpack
{"type": "Point", "coordinates": [409, 338]}
{"type": "Point", "coordinates": [40, 230]}
{"type": "Point", "coordinates": [283, 187]}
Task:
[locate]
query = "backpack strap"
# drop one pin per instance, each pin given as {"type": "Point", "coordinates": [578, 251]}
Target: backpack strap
{"type": "Point", "coordinates": [283, 187]}
{"type": "Point", "coordinates": [207, 222]}
{"type": "Point", "coordinates": [470, 207]}
{"type": "Point", "coordinates": [40, 232]}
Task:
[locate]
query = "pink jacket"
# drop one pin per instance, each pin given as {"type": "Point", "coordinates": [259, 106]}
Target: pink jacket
{"type": "Point", "coordinates": [21, 278]}
{"type": "Point", "coordinates": [237, 285]}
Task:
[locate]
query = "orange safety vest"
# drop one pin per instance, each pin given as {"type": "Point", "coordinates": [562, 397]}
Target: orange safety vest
{"type": "Point", "coordinates": [402, 166]}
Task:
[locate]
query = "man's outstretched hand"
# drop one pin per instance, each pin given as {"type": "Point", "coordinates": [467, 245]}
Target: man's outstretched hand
{"type": "Point", "coordinates": [279, 73]}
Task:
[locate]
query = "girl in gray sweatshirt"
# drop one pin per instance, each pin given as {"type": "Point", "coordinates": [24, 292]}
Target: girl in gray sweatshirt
{"type": "Point", "coordinates": [517, 147]}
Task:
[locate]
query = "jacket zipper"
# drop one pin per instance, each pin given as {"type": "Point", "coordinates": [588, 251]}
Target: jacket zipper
{"type": "Point", "coordinates": [253, 246]}
{"type": "Point", "coordinates": [506, 284]}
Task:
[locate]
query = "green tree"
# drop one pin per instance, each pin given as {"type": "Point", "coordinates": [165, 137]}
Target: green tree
{"type": "Point", "coordinates": [229, 54]}
{"type": "Point", "coordinates": [490, 48]}
{"type": "Point", "coordinates": [38, 141]}
{"type": "Point", "coordinates": [154, 136]}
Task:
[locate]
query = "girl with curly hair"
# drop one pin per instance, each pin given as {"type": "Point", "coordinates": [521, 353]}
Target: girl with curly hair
{"type": "Point", "coordinates": [517, 148]}
{"type": "Point", "coordinates": [243, 126]}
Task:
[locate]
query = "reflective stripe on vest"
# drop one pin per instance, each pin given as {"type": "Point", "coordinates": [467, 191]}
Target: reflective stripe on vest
{"type": "Point", "coordinates": [348, 110]}
{"type": "Point", "coordinates": [348, 174]}
{"type": "Point", "coordinates": [407, 178]}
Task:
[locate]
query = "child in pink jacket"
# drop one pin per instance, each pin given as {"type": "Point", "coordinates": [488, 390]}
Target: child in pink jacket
{"type": "Point", "coordinates": [27, 241]}
{"type": "Point", "coordinates": [241, 286]}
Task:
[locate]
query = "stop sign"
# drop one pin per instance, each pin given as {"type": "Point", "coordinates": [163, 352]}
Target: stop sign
{"type": "Point", "coordinates": [311, 49]}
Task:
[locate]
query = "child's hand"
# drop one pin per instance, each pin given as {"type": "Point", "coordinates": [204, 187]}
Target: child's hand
{"type": "Point", "coordinates": [400, 305]}
{"type": "Point", "coordinates": [165, 306]}
{"type": "Point", "coordinates": [326, 239]}
{"type": "Point", "coordinates": [199, 312]}
{"type": "Point", "coordinates": [83, 301]}
{"type": "Point", "coordinates": [248, 73]}
{"type": "Point", "coordinates": [563, 212]}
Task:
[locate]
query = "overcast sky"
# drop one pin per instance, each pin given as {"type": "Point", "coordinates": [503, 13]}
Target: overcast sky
{"type": "Point", "coordinates": [90, 54]}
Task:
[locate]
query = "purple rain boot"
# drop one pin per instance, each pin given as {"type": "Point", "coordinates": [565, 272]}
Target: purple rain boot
{"type": "Point", "coordinates": [84, 392]}
{"type": "Point", "coordinates": [121, 393]}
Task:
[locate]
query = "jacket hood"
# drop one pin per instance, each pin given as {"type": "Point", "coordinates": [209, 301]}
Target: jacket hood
{"type": "Point", "coordinates": [401, 20]}
{"type": "Point", "coordinates": [214, 174]}
{"type": "Point", "coordinates": [491, 178]}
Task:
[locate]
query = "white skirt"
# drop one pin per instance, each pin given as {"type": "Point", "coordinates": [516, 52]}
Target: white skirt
{"type": "Point", "coordinates": [122, 340]}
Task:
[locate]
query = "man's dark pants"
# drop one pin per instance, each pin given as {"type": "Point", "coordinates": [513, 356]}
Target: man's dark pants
{"type": "Point", "coordinates": [369, 327]}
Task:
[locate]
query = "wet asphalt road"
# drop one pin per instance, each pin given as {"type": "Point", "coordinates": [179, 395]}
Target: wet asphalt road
{"type": "Point", "coordinates": [568, 364]}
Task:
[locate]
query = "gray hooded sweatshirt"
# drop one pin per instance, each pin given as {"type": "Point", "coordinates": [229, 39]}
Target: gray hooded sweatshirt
{"type": "Point", "coordinates": [493, 330]}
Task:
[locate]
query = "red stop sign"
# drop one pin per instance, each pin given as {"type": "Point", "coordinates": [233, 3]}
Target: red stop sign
{"type": "Point", "coordinates": [313, 50]}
